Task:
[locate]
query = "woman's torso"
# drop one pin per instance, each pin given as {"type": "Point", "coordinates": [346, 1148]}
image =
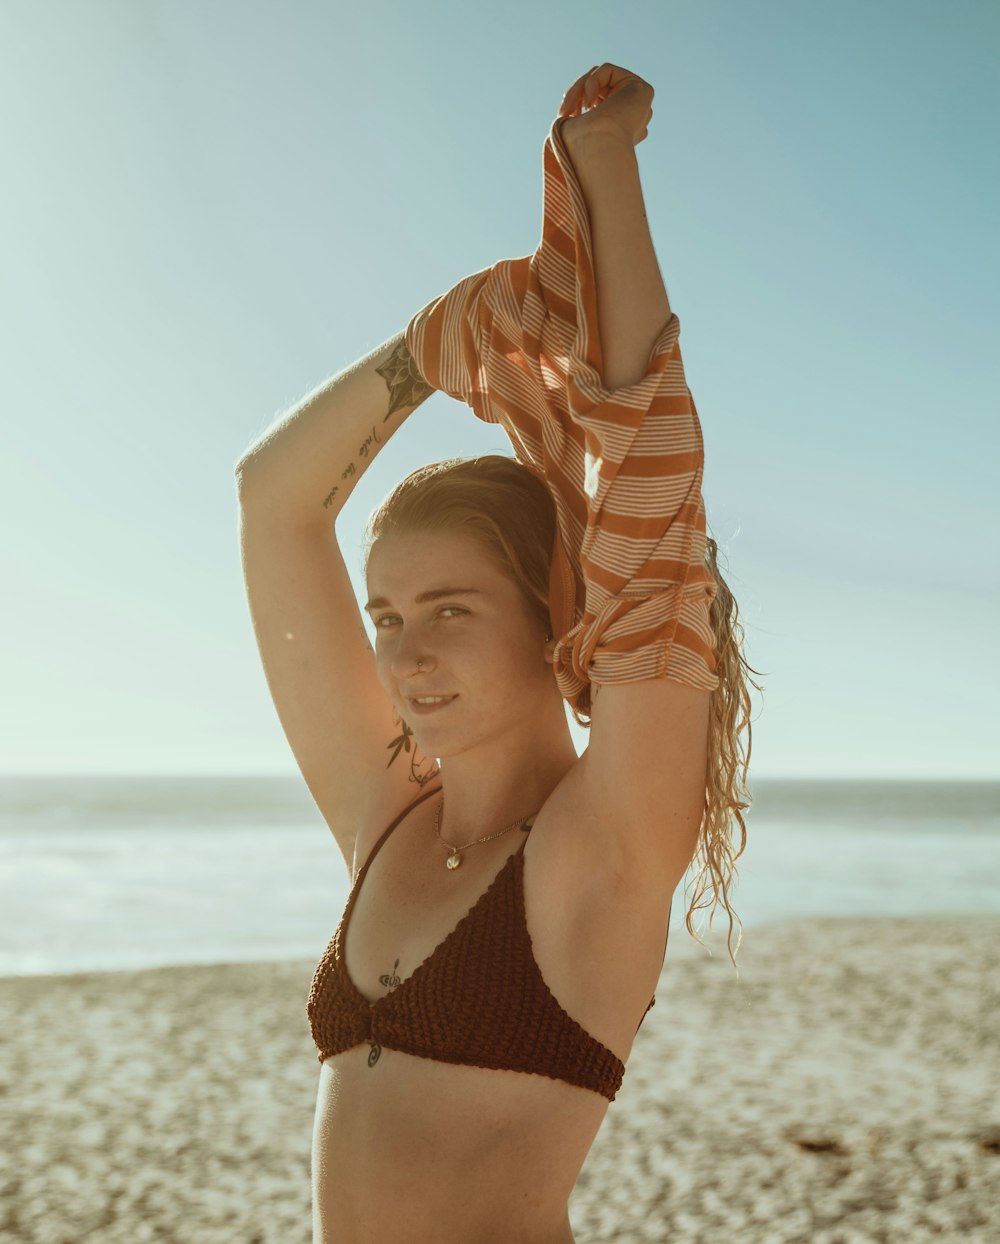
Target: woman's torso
{"type": "Point", "coordinates": [411, 1149]}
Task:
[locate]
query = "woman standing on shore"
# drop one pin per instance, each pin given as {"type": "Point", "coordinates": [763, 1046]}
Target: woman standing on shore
{"type": "Point", "coordinates": [474, 1010]}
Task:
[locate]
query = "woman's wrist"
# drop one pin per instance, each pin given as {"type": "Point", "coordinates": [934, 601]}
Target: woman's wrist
{"type": "Point", "coordinates": [588, 138]}
{"type": "Point", "coordinates": [632, 302]}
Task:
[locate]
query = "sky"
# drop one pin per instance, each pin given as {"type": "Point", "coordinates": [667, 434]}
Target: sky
{"type": "Point", "coordinates": [210, 209]}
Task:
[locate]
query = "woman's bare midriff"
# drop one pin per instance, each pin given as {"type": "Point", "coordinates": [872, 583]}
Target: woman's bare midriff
{"type": "Point", "coordinates": [410, 1150]}
{"type": "Point", "coordinates": [432, 1153]}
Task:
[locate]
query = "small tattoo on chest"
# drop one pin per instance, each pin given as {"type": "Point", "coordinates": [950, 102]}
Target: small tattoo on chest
{"type": "Point", "coordinates": [390, 980]}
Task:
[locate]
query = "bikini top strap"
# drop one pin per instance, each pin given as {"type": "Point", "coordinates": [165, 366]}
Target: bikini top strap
{"type": "Point", "coordinates": [526, 829]}
{"type": "Point", "coordinates": [405, 812]}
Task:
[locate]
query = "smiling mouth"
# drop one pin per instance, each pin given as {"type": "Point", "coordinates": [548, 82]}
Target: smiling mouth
{"type": "Point", "coordinates": [432, 703]}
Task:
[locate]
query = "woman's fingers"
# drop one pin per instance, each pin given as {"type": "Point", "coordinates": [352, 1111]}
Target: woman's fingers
{"type": "Point", "coordinates": [595, 86]}
{"type": "Point", "coordinates": [610, 99]}
{"type": "Point", "coordinates": [574, 97]}
{"type": "Point", "coordinates": [592, 88]}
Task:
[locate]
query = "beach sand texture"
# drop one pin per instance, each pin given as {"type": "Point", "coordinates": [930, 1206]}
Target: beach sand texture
{"type": "Point", "coordinates": [844, 1089]}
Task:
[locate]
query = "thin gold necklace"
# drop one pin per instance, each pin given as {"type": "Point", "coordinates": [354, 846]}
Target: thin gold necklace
{"type": "Point", "coordinates": [455, 858]}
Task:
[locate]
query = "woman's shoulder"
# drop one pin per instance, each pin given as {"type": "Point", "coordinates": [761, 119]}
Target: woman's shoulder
{"type": "Point", "coordinates": [390, 805]}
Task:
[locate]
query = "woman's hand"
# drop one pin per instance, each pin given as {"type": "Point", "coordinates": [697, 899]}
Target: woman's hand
{"type": "Point", "coordinates": [616, 102]}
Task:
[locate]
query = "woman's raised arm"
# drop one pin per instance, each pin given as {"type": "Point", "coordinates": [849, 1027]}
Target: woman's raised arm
{"type": "Point", "coordinates": [632, 303]}
{"type": "Point", "coordinates": [522, 342]}
{"type": "Point", "coordinates": [314, 648]}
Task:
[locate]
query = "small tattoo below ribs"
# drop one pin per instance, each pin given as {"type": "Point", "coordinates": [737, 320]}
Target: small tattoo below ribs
{"type": "Point", "coordinates": [406, 385]}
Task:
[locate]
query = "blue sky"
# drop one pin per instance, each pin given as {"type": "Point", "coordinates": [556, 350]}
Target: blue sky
{"type": "Point", "coordinates": [209, 209]}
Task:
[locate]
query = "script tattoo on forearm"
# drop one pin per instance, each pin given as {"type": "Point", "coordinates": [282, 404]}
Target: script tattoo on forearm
{"type": "Point", "coordinates": [351, 469]}
{"type": "Point", "coordinates": [406, 388]}
{"type": "Point", "coordinates": [406, 385]}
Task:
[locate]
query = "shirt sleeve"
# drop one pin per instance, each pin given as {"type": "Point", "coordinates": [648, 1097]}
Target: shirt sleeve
{"type": "Point", "coordinates": [630, 587]}
{"type": "Point", "coordinates": [445, 340]}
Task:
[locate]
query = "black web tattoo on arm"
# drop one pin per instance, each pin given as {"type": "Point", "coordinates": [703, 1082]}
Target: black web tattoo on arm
{"type": "Point", "coordinates": [406, 385]}
{"type": "Point", "coordinates": [406, 388]}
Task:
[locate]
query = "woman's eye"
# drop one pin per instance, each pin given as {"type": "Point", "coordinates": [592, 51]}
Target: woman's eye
{"type": "Point", "coordinates": [389, 617]}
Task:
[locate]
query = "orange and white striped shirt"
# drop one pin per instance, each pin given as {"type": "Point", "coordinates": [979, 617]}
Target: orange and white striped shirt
{"type": "Point", "coordinates": [630, 589]}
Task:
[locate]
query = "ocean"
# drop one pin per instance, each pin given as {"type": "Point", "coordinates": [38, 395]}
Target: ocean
{"type": "Point", "coordinates": [117, 872]}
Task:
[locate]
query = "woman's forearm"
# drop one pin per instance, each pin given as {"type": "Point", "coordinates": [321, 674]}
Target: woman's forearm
{"type": "Point", "coordinates": [632, 302]}
{"type": "Point", "coordinates": [302, 470]}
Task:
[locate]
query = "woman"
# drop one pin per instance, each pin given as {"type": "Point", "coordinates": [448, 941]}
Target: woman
{"type": "Point", "coordinates": [510, 901]}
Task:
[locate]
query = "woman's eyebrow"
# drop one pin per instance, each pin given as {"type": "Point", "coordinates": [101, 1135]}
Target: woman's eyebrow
{"type": "Point", "coordinates": [380, 602]}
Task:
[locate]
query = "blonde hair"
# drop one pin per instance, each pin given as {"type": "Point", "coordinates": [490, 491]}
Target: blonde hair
{"type": "Point", "coordinates": [507, 507]}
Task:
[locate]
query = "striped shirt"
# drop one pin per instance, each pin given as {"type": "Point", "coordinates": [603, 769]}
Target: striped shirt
{"type": "Point", "coordinates": [630, 588]}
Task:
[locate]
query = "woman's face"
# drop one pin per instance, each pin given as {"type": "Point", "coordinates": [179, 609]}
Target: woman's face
{"type": "Point", "coordinates": [482, 646]}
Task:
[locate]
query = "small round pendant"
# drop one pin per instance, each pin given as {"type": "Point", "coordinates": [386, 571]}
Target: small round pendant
{"type": "Point", "coordinates": [454, 861]}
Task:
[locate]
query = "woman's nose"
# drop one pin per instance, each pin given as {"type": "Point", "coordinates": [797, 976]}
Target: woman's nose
{"type": "Point", "coordinates": [411, 656]}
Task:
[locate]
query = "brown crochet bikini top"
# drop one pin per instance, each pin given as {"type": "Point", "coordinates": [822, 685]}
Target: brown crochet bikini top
{"type": "Point", "coordinates": [478, 999]}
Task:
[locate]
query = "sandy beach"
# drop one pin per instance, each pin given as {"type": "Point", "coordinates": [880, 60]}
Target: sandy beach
{"type": "Point", "coordinates": [844, 1089]}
